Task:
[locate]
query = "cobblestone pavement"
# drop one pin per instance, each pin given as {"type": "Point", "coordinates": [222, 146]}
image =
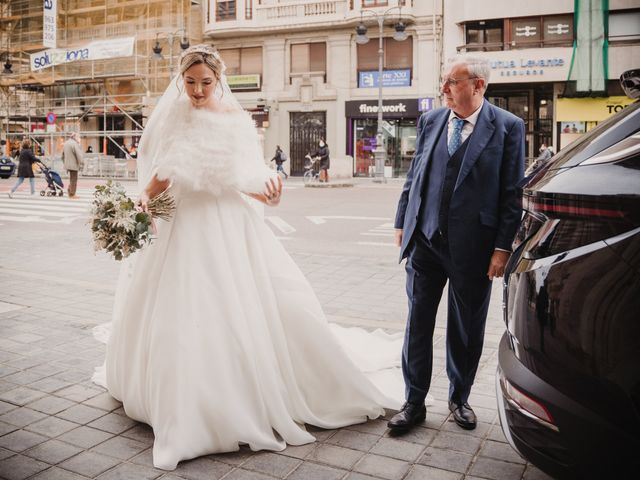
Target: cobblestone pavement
{"type": "Point", "coordinates": [56, 424]}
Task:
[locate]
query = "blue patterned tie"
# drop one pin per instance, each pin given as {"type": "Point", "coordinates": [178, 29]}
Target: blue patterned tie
{"type": "Point", "coordinates": [456, 135]}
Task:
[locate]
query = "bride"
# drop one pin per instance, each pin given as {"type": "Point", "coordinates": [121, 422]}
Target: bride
{"type": "Point", "coordinates": [217, 338]}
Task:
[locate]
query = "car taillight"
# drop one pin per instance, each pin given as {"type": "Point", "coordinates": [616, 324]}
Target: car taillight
{"type": "Point", "coordinates": [526, 404]}
{"type": "Point", "coordinates": [567, 222]}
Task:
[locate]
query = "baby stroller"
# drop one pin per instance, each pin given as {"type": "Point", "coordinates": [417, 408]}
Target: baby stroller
{"type": "Point", "coordinates": [54, 182]}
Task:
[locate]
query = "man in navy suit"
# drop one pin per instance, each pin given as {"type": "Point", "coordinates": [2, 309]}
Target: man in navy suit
{"type": "Point", "coordinates": [456, 219]}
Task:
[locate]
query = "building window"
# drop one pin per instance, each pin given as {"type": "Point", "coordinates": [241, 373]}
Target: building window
{"type": "Point", "coordinates": [242, 61]}
{"type": "Point", "coordinates": [248, 9]}
{"type": "Point", "coordinates": [375, 3]}
{"type": "Point", "coordinates": [557, 30]}
{"type": "Point", "coordinates": [484, 36]}
{"type": "Point", "coordinates": [397, 56]}
{"type": "Point", "coordinates": [225, 10]}
{"type": "Point", "coordinates": [552, 31]}
{"type": "Point", "coordinates": [309, 58]}
{"type": "Point", "coordinates": [525, 32]}
{"type": "Point", "coordinates": [624, 26]}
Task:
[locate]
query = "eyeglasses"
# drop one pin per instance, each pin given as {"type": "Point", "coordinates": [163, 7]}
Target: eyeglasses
{"type": "Point", "coordinates": [452, 82]}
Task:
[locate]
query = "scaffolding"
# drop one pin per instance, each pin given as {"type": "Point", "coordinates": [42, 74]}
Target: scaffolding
{"type": "Point", "coordinates": [106, 100]}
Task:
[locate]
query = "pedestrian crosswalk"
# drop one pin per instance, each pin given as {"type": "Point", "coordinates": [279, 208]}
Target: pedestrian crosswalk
{"type": "Point", "coordinates": [384, 232]}
{"type": "Point", "coordinates": [26, 208]}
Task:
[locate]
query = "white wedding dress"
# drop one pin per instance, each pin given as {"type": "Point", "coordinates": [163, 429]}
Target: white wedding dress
{"type": "Point", "coordinates": [217, 338]}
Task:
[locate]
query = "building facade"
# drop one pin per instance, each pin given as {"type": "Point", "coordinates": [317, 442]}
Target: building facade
{"type": "Point", "coordinates": [91, 66]}
{"type": "Point", "coordinates": [297, 66]}
{"type": "Point", "coordinates": [536, 50]}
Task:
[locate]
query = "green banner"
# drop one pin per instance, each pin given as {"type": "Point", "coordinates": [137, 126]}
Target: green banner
{"type": "Point", "coordinates": [589, 63]}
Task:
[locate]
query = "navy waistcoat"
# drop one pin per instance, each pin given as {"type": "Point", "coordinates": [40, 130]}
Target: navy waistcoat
{"type": "Point", "coordinates": [441, 179]}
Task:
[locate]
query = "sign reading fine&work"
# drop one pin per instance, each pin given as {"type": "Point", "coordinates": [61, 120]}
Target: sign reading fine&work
{"type": "Point", "coordinates": [98, 50]}
{"type": "Point", "coordinates": [49, 21]}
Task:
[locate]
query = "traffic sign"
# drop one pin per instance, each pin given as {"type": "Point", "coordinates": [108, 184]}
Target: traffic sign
{"type": "Point", "coordinates": [51, 118]}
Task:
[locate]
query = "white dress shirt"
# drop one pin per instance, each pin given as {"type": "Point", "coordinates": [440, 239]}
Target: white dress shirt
{"type": "Point", "coordinates": [469, 124]}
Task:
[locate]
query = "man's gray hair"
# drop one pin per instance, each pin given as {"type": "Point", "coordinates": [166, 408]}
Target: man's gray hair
{"type": "Point", "coordinates": [477, 67]}
{"type": "Point", "coordinates": [75, 136]}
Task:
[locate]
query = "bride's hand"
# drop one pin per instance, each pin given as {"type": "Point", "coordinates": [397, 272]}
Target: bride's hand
{"type": "Point", "coordinates": [143, 201]}
{"type": "Point", "coordinates": [273, 192]}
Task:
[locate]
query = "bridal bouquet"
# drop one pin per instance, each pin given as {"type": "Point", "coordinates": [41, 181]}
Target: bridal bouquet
{"type": "Point", "coordinates": [118, 225]}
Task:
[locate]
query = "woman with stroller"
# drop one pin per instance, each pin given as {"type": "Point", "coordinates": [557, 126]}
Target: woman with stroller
{"type": "Point", "coordinates": [25, 167]}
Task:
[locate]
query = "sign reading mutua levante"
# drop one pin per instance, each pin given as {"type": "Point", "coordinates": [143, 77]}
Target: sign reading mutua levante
{"type": "Point", "coordinates": [98, 50]}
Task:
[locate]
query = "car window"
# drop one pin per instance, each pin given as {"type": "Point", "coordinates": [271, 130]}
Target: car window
{"type": "Point", "coordinates": [614, 129]}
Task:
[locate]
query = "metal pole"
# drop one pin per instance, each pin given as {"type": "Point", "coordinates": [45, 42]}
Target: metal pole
{"type": "Point", "coordinates": [380, 153]}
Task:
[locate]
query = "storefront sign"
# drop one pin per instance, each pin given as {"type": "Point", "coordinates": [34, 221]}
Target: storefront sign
{"type": "Point", "coordinates": [589, 109]}
{"type": "Point", "coordinates": [390, 78]}
{"type": "Point", "coordinates": [536, 65]}
{"type": "Point", "coordinates": [244, 82]}
{"type": "Point", "coordinates": [98, 50]}
{"type": "Point", "coordinates": [426, 104]}
{"type": "Point", "coordinates": [50, 24]}
{"type": "Point", "coordinates": [404, 108]}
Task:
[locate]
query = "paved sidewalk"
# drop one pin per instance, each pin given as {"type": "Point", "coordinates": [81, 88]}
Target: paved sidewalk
{"type": "Point", "coordinates": [56, 424]}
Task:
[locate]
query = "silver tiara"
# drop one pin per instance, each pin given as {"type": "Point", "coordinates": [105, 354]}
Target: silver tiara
{"type": "Point", "coordinates": [207, 50]}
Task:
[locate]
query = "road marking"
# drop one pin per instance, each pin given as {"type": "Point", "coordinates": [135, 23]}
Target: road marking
{"type": "Point", "coordinates": [80, 208]}
{"type": "Point", "coordinates": [37, 219]}
{"type": "Point", "coordinates": [377, 244]}
{"type": "Point", "coordinates": [281, 225]}
{"type": "Point", "coordinates": [319, 220]}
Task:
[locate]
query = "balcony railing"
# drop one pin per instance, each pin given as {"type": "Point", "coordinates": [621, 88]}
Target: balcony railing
{"type": "Point", "coordinates": [300, 10]}
{"type": "Point", "coordinates": [294, 14]}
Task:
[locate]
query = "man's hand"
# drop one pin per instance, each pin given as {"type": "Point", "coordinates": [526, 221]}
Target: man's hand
{"type": "Point", "coordinates": [498, 262]}
{"type": "Point", "coordinates": [398, 237]}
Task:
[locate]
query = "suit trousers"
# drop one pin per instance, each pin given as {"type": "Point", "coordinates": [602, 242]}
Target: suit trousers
{"type": "Point", "coordinates": [428, 267]}
{"type": "Point", "coordinates": [73, 182]}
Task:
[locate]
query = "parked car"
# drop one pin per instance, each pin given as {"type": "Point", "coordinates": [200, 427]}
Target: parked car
{"type": "Point", "coordinates": [568, 380]}
{"type": "Point", "coordinates": [7, 166]}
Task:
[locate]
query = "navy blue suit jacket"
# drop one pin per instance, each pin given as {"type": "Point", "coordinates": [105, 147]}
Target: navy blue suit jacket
{"type": "Point", "coordinates": [485, 207]}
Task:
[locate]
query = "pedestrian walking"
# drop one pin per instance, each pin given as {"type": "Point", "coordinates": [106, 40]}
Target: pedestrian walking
{"type": "Point", "coordinates": [73, 161]}
{"type": "Point", "coordinates": [26, 159]}
{"type": "Point", "coordinates": [325, 162]}
{"type": "Point", "coordinates": [456, 218]}
{"type": "Point", "coordinates": [280, 157]}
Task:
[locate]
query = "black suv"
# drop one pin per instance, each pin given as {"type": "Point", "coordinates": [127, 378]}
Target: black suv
{"type": "Point", "coordinates": [568, 380]}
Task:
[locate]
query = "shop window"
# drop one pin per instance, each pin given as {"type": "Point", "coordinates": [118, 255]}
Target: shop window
{"type": "Point", "coordinates": [397, 56]}
{"type": "Point", "coordinates": [225, 10]}
{"type": "Point", "coordinates": [624, 26]}
{"type": "Point", "coordinates": [309, 58]}
{"type": "Point", "coordinates": [484, 36]}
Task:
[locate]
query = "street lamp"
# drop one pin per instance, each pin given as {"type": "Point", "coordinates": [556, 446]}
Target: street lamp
{"type": "Point", "coordinates": [380, 153]}
{"type": "Point", "coordinates": [157, 49]}
{"type": "Point", "coordinates": [7, 67]}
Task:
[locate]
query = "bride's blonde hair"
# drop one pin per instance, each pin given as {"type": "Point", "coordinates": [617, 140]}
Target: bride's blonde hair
{"type": "Point", "coordinates": [202, 54]}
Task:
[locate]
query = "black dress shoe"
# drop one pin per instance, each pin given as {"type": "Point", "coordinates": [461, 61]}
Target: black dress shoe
{"type": "Point", "coordinates": [463, 415]}
{"type": "Point", "coordinates": [411, 414]}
